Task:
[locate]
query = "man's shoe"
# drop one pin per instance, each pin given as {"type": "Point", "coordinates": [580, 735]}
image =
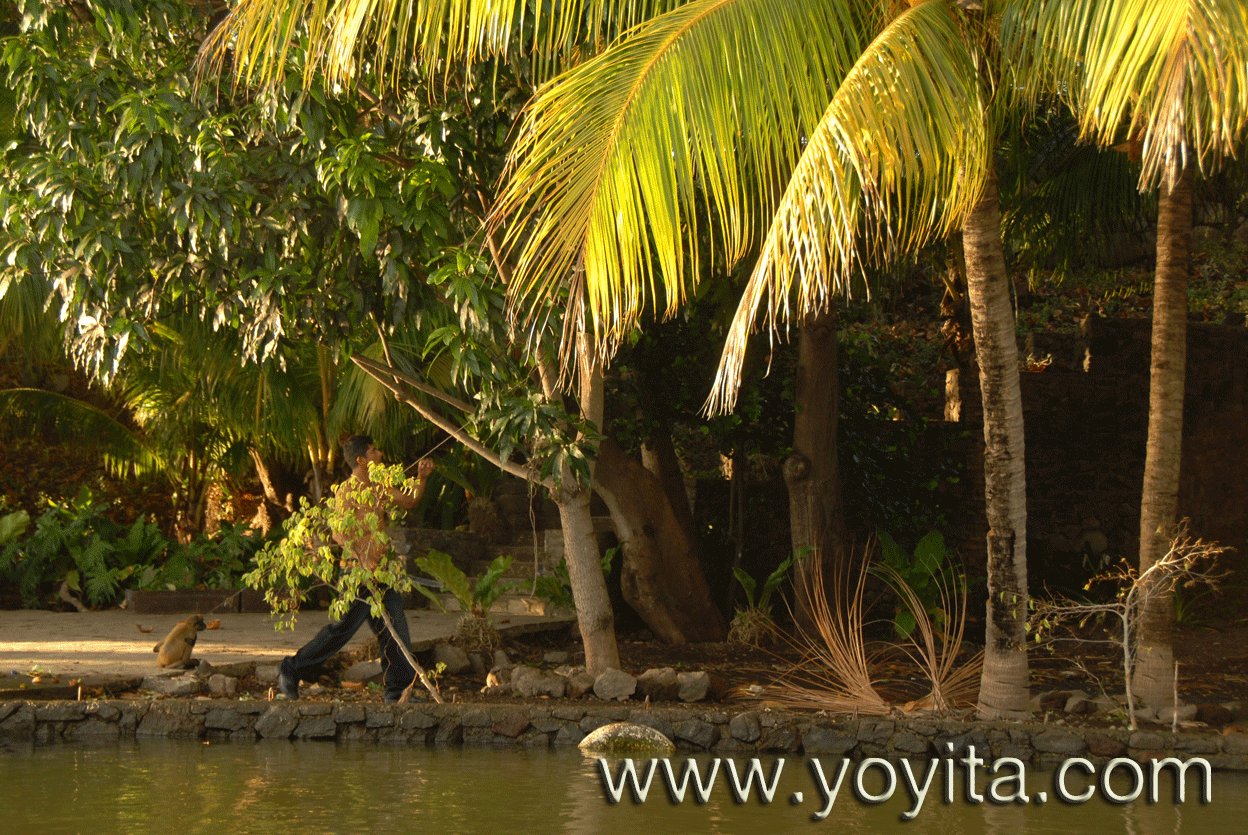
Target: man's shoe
{"type": "Point", "coordinates": [287, 686]}
{"type": "Point", "coordinates": [412, 699]}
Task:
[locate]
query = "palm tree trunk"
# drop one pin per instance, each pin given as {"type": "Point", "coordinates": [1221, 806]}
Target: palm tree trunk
{"type": "Point", "coordinates": [589, 589]}
{"type": "Point", "coordinates": [1003, 692]}
{"type": "Point", "coordinates": [1153, 678]}
{"type": "Point", "coordinates": [812, 471]}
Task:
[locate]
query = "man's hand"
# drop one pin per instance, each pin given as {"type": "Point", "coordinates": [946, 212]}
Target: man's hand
{"type": "Point", "coordinates": [423, 468]}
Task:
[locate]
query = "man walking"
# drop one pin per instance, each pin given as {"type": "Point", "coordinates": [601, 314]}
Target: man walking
{"type": "Point", "coordinates": [353, 497]}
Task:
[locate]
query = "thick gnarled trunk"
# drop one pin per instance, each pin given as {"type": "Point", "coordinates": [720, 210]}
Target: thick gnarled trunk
{"type": "Point", "coordinates": [1003, 690]}
{"type": "Point", "coordinates": [1153, 678]}
{"type": "Point", "coordinates": [812, 472]}
{"type": "Point", "coordinates": [662, 577]}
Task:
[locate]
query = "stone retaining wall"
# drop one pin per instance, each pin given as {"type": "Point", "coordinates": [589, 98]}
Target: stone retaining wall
{"type": "Point", "coordinates": [718, 730]}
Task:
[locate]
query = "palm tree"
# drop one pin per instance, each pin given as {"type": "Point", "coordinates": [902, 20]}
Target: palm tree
{"type": "Point", "coordinates": [1171, 79]}
{"type": "Point", "coordinates": [618, 151]}
{"type": "Point", "coordinates": [720, 104]}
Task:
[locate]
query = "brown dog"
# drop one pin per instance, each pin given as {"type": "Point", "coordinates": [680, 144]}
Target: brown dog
{"type": "Point", "coordinates": [175, 650]}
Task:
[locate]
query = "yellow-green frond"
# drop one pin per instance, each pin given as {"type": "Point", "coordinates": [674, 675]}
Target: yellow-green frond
{"type": "Point", "coordinates": [390, 35]}
{"type": "Point", "coordinates": [898, 157]}
{"type": "Point", "coordinates": [1171, 75]}
{"type": "Point", "coordinates": [642, 163]}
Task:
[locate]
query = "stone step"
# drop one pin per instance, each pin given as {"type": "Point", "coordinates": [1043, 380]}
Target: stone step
{"type": "Point", "coordinates": [513, 603]}
{"type": "Point", "coordinates": [518, 570]}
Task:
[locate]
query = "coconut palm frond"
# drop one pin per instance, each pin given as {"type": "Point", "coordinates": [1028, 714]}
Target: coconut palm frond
{"type": "Point", "coordinates": [836, 672]}
{"type": "Point", "coordinates": [1170, 78]}
{"type": "Point", "coordinates": [344, 39]}
{"type": "Point", "coordinates": [897, 159]}
{"type": "Point", "coordinates": [362, 404]}
{"type": "Point", "coordinates": [663, 154]}
{"type": "Point", "coordinates": [1063, 201]}
{"type": "Point", "coordinates": [68, 420]}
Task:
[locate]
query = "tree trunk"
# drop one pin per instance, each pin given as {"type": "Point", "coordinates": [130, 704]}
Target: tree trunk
{"type": "Point", "coordinates": [662, 576]}
{"type": "Point", "coordinates": [594, 616]}
{"type": "Point", "coordinates": [812, 472]}
{"type": "Point", "coordinates": [659, 457]}
{"type": "Point", "coordinates": [1003, 692]}
{"type": "Point", "coordinates": [1153, 679]}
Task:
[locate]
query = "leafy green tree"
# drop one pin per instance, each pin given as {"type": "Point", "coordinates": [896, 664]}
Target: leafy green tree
{"type": "Point", "coordinates": [139, 195]}
{"type": "Point", "coordinates": [256, 50]}
{"type": "Point", "coordinates": [201, 229]}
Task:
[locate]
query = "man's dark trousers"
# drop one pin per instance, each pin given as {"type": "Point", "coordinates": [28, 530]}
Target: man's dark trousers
{"type": "Point", "coordinates": [335, 635]}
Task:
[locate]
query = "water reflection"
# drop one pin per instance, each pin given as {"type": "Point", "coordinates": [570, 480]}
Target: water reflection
{"type": "Point", "coordinates": [177, 788]}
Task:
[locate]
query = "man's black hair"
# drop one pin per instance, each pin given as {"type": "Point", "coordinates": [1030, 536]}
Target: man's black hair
{"type": "Point", "coordinates": [354, 447]}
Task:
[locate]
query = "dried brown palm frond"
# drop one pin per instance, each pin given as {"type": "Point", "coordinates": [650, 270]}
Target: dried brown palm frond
{"type": "Point", "coordinates": [837, 672]}
{"type": "Point", "coordinates": [954, 685]}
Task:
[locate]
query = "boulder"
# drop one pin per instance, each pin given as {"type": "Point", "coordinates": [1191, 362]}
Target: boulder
{"type": "Point", "coordinates": [624, 739]}
{"type": "Point", "coordinates": [267, 673]}
{"type": "Point", "coordinates": [455, 659]}
{"type": "Point", "coordinates": [614, 685]}
{"type": "Point", "coordinates": [531, 681]}
{"type": "Point", "coordinates": [579, 684]}
{"type": "Point", "coordinates": [1185, 713]}
{"type": "Point", "coordinates": [1079, 705]}
{"type": "Point", "coordinates": [183, 685]}
{"type": "Point", "coordinates": [658, 685]}
{"type": "Point", "coordinates": [698, 733]}
{"type": "Point", "coordinates": [1055, 700]}
{"type": "Point", "coordinates": [364, 671]}
{"type": "Point", "coordinates": [222, 686]}
{"type": "Point", "coordinates": [278, 722]}
{"type": "Point", "coordinates": [693, 686]}
{"type": "Point", "coordinates": [745, 727]}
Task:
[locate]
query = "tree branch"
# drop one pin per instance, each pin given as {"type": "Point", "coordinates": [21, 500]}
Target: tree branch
{"type": "Point", "coordinates": [379, 373]}
{"type": "Point", "coordinates": [376, 369]}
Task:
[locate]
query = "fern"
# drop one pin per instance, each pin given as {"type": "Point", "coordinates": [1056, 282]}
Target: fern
{"type": "Point", "coordinates": [99, 580]}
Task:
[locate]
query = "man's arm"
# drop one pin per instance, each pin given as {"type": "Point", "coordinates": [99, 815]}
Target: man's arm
{"type": "Point", "coordinates": [409, 500]}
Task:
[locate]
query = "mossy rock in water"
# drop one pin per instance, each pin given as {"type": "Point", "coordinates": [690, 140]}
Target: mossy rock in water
{"type": "Point", "coordinates": [622, 739]}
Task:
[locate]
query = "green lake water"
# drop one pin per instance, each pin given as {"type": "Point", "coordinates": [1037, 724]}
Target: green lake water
{"type": "Point", "coordinates": [183, 787]}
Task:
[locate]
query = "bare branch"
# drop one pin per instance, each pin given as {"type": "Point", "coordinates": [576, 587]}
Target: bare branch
{"type": "Point", "coordinates": [1181, 563]}
{"type": "Point", "coordinates": [377, 370]}
{"type": "Point", "coordinates": [379, 373]}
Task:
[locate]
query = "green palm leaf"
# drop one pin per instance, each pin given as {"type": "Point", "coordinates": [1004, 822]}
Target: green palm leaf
{"type": "Point", "coordinates": [388, 35]}
{"type": "Point", "coordinates": [898, 157]}
{"type": "Point", "coordinates": [1172, 76]}
{"type": "Point", "coordinates": [76, 421]}
{"type": "Point", "coordinates": [700, 108]}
